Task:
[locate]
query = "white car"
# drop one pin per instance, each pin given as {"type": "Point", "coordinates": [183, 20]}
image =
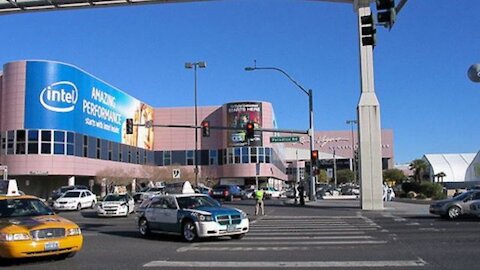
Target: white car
{"type": "Point", "coordinates": [114, 205]}
{"type": "Point", "coordinates": [75, 200]}
{"type": "Point", "coordinates": [271, 192]}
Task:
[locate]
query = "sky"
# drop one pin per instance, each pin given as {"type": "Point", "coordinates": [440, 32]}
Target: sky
{"type": "Point", "coordinates": [421, 64]}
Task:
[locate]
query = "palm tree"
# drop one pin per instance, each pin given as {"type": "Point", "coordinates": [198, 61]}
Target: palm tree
{"type": "Point", "coordinates": [418, 166]}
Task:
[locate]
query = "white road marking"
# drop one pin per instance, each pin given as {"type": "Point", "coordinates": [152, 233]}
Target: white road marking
{"type": "Point", "coordinates": [248, 237]}
{"type": "Point", "coordinates": [250, 233]}
{"type": "Point", "coordinates": [286, 264]}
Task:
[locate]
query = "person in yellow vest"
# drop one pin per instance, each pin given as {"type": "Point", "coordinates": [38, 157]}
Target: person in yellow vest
{"type": "Point", "coordinates": [259, 198]}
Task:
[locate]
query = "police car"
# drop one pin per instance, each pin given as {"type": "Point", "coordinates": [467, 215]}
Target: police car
{"type": "Point", "coordinates": [191, 216]}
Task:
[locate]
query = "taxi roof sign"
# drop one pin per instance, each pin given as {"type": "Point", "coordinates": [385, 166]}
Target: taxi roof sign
{"type": "Point", "coordinates": [9, 187]}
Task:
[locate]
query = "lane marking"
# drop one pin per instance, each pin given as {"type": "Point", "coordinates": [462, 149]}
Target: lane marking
{"type": "Point", "coordinates": [306, 237]}
{"type": "Point", "coordinates": [303, 233]}
{"type": "Point", "coordinates": [285, 264]}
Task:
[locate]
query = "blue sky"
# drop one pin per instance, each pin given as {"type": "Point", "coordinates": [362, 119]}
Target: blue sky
{"type": "Point", "coordinates": [420, 65]}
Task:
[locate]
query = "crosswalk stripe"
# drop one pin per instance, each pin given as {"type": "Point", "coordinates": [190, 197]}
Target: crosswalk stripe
{"type": "Point", "coordinates": [310, 229]}
{"type": "Point", "coordinates": [271, 233]}
{"type": "Point", "coordinates": [284, 264]}
{"type": "Point", "coordinates": [249, 237]}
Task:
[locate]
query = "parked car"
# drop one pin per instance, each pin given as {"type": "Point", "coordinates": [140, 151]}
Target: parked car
{"type": "Point", "coordinates": [29, 228]}
{"type": "Point", "coordinates": [147, 192]}
{"type": "Point", "coordinates": [76, 199]}
{"type": "Point", "coordinates": [456, 206]}
{"type": "Point", "coordinates": [116, 205]}
{"type": "Point", "coordinates": [227, 192]}
{"type": "Point", "coordinates": [192, 216]}
{"type": "Point", "coordinates": [271, 192]}
{"type": "Point", "coordinates": [57, 193]}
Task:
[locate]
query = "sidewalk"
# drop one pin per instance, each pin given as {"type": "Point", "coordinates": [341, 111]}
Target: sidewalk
{"type": "Point", "coordinates": [404, 207]}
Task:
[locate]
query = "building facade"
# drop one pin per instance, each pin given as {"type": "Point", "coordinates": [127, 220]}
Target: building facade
{"type": "Point", "coordinates": [60, 124]}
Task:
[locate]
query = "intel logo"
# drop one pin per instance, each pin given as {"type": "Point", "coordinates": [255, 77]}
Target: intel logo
{"type": "Point", "coordinates": [59, 97]}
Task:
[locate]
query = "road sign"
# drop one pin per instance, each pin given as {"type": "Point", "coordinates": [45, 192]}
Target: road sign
{"type": "Point", "coordinates": [176, 173]}
{"type": "Point", "coordinates": [284, 139]}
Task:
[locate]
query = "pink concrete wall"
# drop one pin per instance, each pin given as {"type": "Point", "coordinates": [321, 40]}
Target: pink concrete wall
{"type": "Point", "coordinates": [13, 100]}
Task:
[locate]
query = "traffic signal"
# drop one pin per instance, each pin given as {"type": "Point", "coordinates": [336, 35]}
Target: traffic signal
{"type": "Point", "coordinates": [368, 30]}
{"type": "Point", "coordinates": [206, 129]}
{"type": "Point", "coordinates": [314, 157]}
{"type": "Point", "coordinates": [386, 12]}
{"type": "Point", "coordinates": [250, 130]}
{"type": "Point", "coordinates": [129, 125]}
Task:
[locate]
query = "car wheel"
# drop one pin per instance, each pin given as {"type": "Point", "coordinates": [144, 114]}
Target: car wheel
{"type": "Point", "coordinates": [128, 211]}
{"type": "Point", "coordinates": [454, 212]}
{"type": "Point", "coordinates": [189, 232]}
{"type": "Point", "coordinates": [143, 227]}
{"type": "Point", "coordinates": [230, 198]}
{"type": "Point", "coordinates": [237, 236]}
{"type": "Point", "coordinates": [79, 206]}
{"type": "Point", "coordinates": [93, 205]}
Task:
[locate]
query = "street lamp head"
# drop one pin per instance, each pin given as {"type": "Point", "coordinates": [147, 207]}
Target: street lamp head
{"type": "Point", "coordinates": [249, 68]}
{"type": "Point", "coordinates": [202, 64]}
{"type": "Point", "coordinates": [188, 65]}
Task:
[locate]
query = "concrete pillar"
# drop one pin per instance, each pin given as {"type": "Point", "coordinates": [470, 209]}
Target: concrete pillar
{"type": "Point", "coordinates": [369, 130]}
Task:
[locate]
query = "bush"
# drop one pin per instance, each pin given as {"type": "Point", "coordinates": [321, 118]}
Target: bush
{"type": "Point", "coordinates": [410, 186]}
{"type": "Point", "coordinates": [431, 190]}
{"type": "Point", "coordinates": [421, 196]}
{"type": "Point", "coordinates": [411, 194]}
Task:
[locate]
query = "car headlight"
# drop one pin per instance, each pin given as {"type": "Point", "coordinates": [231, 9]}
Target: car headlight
{"type": "Point", "coordinates": [74, 231]}
{"type": "Point", "coordinates": [243, 214]}
{"type": "Point", "coordinates": [205, 217]}
{"type": "Point", "coordinates": [14, 236]}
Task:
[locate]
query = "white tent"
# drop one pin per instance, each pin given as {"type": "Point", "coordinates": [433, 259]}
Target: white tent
{"type": "Point", "coordinates": [454, 166]}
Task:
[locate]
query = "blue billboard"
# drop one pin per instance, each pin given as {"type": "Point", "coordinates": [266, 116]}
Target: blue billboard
{"type": "Point", "coordinates": [61, 96]}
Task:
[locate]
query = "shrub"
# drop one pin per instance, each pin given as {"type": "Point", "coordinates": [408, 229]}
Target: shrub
{"type": "Point", "coordinates": [411, 194]}
{"type": "Point", "coordinates": [410, 186]}
{"type": "Point", "coordinates": [431, 190]}
{"type": "Point", "coordinates": [421, 196]}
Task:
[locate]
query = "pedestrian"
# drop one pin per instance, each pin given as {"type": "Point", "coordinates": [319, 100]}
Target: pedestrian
{"type": "Point", "coordinates": [259, 205]}
{"type": "Point", "coordinates": [301, 190]}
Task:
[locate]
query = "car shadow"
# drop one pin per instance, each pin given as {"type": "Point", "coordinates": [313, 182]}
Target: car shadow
{"type": "Point", "coordinates": [30, 261]}
{"type": "Point", "coordinates": [163, 237]}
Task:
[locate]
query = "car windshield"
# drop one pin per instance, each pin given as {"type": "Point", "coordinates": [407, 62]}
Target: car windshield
{"type": "Point", "coordinates": [192, 202]}
{"type": "Point", "coordinates": [65, 189]}
{"type": "Point", "coordinates": [74, 194]}
{"type": "Point", "coordinates": [23, 208]}
{"type": "Point", "coordinates": [115, 197]}
{"type": "Point", "coordinates": [462, 196]}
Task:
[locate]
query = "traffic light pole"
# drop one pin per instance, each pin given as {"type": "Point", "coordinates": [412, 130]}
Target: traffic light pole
{"type": "Point", "coordinates": [369, 130]}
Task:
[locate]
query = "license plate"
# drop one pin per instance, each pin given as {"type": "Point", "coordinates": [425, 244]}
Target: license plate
{"type": "Point", "coordinates": [51, 246]}
{"type": "Point", "coordinates": [217, 192]}
{"type": "Point", "coordinates": [231, 228]}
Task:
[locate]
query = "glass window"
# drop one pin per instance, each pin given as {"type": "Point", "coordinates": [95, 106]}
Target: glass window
{"type": "Point", "coordinates": [167, 158]}
{"type": "Point", "coordinates": [10, 142]}
{"type": "Point", "coordinates": [268, 155]}
{"type": "Point", "coordinates": [59, 136]}
{"type": "Point", "coordinates": [46, 142]}
{"type": "Point", "coordinates": [70, 150]}
{"type": "Point", "coordinates": [110, 149]}
{"type": "Point", "coordinates": [33, 141]}
{"type": "Point", "coordinates": [59, 149]}
{"type": "Point", "coordinates": [190, 157]}
{"type": "Point", "coordinates": [253, 155]}
{"type": "Point", "coordinates": [237, 154]}
{"type": "Point", "coordinates": [46, 136]}
{"type": "Point", "coordinates": [98, 149]}
{"type": "Point", "coordinates": [261, 154]}
{"type": "Point", "coordinates": [85, 146]}
{"type": "Point", "coordinates": [2, 139]}
{"type": "Point", "coordinates": [245, 155]}
{"type": "Point", "coordinates": [70, 137]}
{"type": "Point", "coordinates": [230, 156]}
{"type": "Point", "coordinates": [21, 146]}
{"type": "Point", "coordinates": [213, 157]}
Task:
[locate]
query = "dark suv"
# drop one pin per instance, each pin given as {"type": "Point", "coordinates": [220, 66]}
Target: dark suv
{"type": "Point", "coordinates": [227, 192]}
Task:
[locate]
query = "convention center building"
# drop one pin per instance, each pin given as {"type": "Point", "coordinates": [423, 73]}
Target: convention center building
{"type": "Point", "coordinates": [60, 125]}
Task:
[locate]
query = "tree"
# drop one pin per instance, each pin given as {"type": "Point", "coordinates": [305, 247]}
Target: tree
{"type": "Point", "coordinates": [419, 167]}
{"type": "Point", "coordinates": [393, 175]}
{"type": "Point", "coordinates": [322, 176]}
{"type": "Point", "coordinates": [344, 176]}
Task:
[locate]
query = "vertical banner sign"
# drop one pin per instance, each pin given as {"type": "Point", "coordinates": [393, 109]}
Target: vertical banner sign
{"type": "Point", "coordinates": [238, 115]}
{"type": "Point", "coordinates": [63, 97]}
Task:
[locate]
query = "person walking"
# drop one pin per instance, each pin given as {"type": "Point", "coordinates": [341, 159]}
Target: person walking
{"type": "Point", "coordinates": [259, 194]}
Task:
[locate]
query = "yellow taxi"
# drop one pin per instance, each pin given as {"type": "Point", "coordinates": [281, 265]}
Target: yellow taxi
{"type": "Point", "coordinates": [29, 228]}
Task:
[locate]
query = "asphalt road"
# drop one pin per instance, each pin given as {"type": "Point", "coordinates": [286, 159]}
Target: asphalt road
{"type": "Point", "coordinates": [336, 236]}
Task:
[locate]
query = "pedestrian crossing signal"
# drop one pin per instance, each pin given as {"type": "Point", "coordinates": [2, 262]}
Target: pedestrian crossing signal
{"type": "Point", "coordinates": [206, 129]}
{"type": "Point", "coordinates": [314, 157]}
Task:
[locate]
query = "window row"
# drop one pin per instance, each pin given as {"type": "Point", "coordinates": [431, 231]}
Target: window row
{"type": "Point", "coordinates": [58, 142]}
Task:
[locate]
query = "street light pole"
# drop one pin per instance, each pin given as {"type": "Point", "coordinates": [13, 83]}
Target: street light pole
{"type": "Point", "coordinates": [196, 65]}
{"type": "Point", "coordinates": [351, 123]}
{"type": "Point", "coordinates": [309, 93]}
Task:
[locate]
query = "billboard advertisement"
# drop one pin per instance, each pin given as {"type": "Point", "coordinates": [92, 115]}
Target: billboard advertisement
{"type": "Point", "coordinates": [238, 115]}
{"type": "Point", "coordinates": [61, 96]}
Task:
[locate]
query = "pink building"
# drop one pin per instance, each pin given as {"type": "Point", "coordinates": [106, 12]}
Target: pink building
{"type": "Point", "coordinates": [59, 122]}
